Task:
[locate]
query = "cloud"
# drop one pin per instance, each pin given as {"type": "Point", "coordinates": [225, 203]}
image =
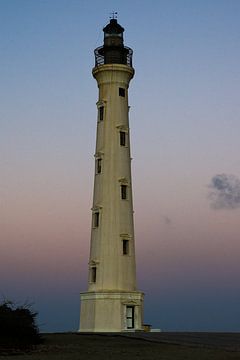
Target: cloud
{"type": "Point", "coordinates": [225, 192]}
{"type": "Point", "coordinates": [167, 220]}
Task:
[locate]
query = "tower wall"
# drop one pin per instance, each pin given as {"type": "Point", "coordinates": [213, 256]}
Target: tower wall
{"type": "Point", "coordinates": [115, 271]}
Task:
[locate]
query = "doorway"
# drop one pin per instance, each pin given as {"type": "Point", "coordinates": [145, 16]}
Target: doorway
{"type": "Point", "coordinates": [130, 317]}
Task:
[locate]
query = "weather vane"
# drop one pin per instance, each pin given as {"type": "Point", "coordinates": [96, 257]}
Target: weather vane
{"type": "Point", "coordinates": [113, 15]}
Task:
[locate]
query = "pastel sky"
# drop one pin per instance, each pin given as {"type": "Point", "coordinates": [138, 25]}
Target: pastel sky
{"type": "Point", "coordinates": [185, 130]}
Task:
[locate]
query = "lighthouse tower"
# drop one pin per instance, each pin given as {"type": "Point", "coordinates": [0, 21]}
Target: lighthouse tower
{"type": "Point", "coordinates": [112, 302]}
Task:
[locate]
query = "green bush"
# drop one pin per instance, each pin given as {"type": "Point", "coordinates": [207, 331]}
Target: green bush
{"type": "Point", "coordinates": [18, 327]}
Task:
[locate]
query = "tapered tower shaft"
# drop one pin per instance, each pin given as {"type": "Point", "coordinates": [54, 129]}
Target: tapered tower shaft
{"type": "Point", "coordinates": [112, 302]}
{"type": "Point", "coordinates": [112, 243]}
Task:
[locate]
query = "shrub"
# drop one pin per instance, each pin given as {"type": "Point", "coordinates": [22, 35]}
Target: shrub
{"type": "Point", "coordinates": [18, 327]}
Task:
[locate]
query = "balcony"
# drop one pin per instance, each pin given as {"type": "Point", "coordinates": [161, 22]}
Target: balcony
{"type": "Point", "coordinates": [113, 55]}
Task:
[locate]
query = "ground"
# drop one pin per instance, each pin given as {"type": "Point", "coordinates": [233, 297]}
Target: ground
{"type": "Point", "coordinates": [162, 346]}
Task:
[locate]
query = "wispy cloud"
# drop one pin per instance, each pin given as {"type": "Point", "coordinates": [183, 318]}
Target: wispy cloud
{"type": "Point", "coordinates": [167, 220]}
{"type": "Point", "coordinates": [225, 192]}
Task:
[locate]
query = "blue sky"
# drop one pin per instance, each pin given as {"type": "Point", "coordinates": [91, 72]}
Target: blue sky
{"type": "Point", "coordinates": [185, 129]}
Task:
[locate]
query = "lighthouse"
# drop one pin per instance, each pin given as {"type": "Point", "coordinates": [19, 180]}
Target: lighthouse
{"type": "Point", "coordinates": [112, 302]}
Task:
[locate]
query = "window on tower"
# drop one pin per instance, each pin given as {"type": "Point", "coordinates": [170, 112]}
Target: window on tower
{"type": "Point", "coordinates": [122, 138]}
{"type": "Point", "coordinates": [124, 192]}
{"type": "Point", "coordinates": [101, 113]}
{"type": "Point", "coordinates": [99, 166]}
{"type": "Point", "coordinates": [96, 219]}
{"type": "Point", "coordinates": [122, 92]}
{"type": "Point", "coordinates": [93, 274]}
{"type": "Point", "coordinates": [125, 247]}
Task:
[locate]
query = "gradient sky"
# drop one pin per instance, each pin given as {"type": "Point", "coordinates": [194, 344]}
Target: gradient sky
{"type": "Point", "coordinates": [185, 129]}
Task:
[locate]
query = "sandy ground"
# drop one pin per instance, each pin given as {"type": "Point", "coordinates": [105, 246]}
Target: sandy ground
{"type": "Point", "coordinates": [162, 346]}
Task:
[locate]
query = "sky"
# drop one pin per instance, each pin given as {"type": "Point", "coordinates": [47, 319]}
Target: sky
{"type": "Point", "coordinates": [185, 128]}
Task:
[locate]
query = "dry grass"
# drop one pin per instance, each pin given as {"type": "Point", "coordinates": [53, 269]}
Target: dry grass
{"type": "Point", "coordinates": [67, 346]}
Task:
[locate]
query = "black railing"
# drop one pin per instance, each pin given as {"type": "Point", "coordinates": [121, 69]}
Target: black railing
{"type": "Point", "coordinates": [125, 58]}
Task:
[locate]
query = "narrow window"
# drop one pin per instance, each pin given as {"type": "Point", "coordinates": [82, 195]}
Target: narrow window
{"type": "Point", "coordinates": [122, 92]}
{"type": "Point", "coordinates": [124, 192]}
{"type": "Point", "coordinates": [99, 166]}
{"type": "Point", "coordinates": [96, 219]}
{"type": "Point", "coordinates": [122, 138]}
{"type": "Point", "coordinates": [93, 274]}
{"type": "Point", "coordinates": [101, 113]}
{"type": "Point", "coordinates": [125, 244]}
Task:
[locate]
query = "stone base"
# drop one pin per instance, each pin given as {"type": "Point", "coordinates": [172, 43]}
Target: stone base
{"type": "Point", "coordinates": [111, 311]}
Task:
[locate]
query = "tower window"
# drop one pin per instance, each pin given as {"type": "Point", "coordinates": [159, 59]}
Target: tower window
{"type": "Point", "coordinates": [99, 166]}
{"type": "Point", "coordinates": [122, 138]}
{"type": "Point", "coordinates": [125, 247]}
{"type": "Point", "coordinates": [124, 192]}
{"type": "Point", "coordinates": [101, 113]}
{"type": "Point", "coordinates": [122, 92]}
{"type": "Point", "coordinates": [96, 219]}
{"type": "Point", "coordinates": [93, 274]}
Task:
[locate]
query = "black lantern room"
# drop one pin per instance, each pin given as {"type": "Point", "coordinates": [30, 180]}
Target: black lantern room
{"type": "Point", "coordinates": [113, 51]}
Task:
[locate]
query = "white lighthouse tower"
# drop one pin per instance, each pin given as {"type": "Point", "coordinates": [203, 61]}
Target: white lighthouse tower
{"type": "Point", "coordinates": [112, 302]}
